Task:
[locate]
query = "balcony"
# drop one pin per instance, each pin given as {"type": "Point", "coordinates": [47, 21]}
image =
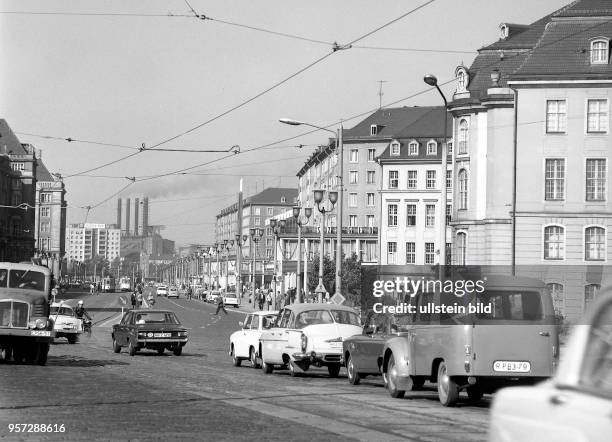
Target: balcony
{"type": "Point", "coordinates": [291, 231]}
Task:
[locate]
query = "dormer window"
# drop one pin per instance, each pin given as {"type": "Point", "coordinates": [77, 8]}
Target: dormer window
{"type": "Point", "coordinates": [283, 199]}
{"type": "Point", "coordinates": [463, 78]}
{"type": "Point", "coordinates": [504, 31]}
{"type": "Point", "coordinates": [395, 148]}
{"type": "Point", "coordinates": [374, 129]}
{"type": "Point", "coordinates": [432, 147]}
{"type": "Point", "coordinates": [600, 49]}
{"type": "Point", "coordinates": [413, 148]}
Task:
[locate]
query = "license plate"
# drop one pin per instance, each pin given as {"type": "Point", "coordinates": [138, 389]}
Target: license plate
{"type": "Point", "coordinates": [40, 333]}
{"type": "Point", "coordinates": [162, 335]}
{"type": "Point", "coordinates": [512, 366]}
{"type": "Point", "coordinates": [335, 344]}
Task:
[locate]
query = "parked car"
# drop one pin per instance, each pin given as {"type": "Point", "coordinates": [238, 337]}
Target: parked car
{"type": "Point", "coordinates": [212, 296]}
{"type": "Point", "coordinates": [230, 298]}
{"type": "Point", "coordinates": [151, 329]}
{"type": "Point", "coordinates": [244, 343]}
{"type": "Point", "coordinates": [363, 353]}
{"type": "Point", "coordinates": [308, 334]}
{"type": "Point", "coordinates": [162, 290]}
{"type": "Point", "coordinates": [576, 404]}
{"type": "Point", "coordinates": [173, 292]}
{"type": "Point", "coordinates": [65, 323]}
{"type": "Point", "coordinates": [516, 344]}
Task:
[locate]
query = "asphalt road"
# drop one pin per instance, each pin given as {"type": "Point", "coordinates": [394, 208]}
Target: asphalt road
{"type": "Point", "coordinates": [99, 395]}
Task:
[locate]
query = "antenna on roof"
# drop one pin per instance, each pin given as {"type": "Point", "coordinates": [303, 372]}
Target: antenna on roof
{"type": "Point", "coordinates": [380, 92]}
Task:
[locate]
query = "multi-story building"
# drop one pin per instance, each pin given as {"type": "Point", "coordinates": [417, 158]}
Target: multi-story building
{"type": "Point", "coordinates": [50, 215]}
{"type": "Point", "coordinates": [410, 189]}
{"type": "Point", "coordinates": [531, 121]}
{"type": "Point", "coordinates": [87, 240]}
{"type": "Point", "coordinates": [17, 219]}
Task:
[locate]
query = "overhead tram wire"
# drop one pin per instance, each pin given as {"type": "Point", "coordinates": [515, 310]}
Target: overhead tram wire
{"type": "Point", "coordinates": [76, 140]}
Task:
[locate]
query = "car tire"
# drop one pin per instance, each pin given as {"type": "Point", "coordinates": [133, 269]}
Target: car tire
{"type": "Point", "coordinates": [131, 348]}
{"type": "Point", "coordinates": [177, 351]}
{"type": "Point", "coordinates": [333, 370]}
{"type": "Point", "coordinates": [448, 390]}
{"type": "Point", "coordinates": [394, 392]}
{"type": "Point", "coordinates": [351, 369]}
{"type": "Point", "coordinates": [72, 339]}
{"type": "Point", "coordinates": [267, 368]}
{"type": "Point", "coordinates": [253, 358]}
{"type": "Point", "coordinates": [116, 346]}
{"type": "Point", "coordinates": [236, 361]}
{"type": "Point", "coordinates": [474, 393]}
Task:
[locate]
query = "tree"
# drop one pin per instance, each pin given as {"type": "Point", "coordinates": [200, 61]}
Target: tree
{"type": "Point", "coordinates": [329, 274]}
{"type": "Point", "coordinates": [351, 279]}
{"type": "Point", "coordinates": [95, 265]}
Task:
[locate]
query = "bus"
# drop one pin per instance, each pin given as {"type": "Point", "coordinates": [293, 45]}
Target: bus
{"type": "Point", "coordinates": [125, 284]}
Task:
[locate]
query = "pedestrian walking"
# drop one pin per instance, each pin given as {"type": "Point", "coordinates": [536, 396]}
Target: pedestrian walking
{"type": "Point", "coordinates": [220, 305]}
{"type": "Point", "coordinates": [269, 300]}
{"type": "Point", "coordinates": [91, 289]}
{"type": "Point", "coordinates": [261, 300]}
{"type": "Point", "coordinates": [139, 300]}
{"type": "Point", "coordinates": [133, 299]}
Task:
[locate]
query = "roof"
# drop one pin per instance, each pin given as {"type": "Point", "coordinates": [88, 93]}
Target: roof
{"type": "Point", "coordinates": [299, 308]}
{"type": "Point", "coordinates": [272, 196]}
{"type": "Point", "coordinates": [587, 8]}
{"type": "Point", "coordinates": [9, 143]}
{"type": "Point", "coordinates": [42, 173]}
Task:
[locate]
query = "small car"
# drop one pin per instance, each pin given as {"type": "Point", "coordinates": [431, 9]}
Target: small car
{"type": "Point", "coordinates": [230, 298]}
{"type": "Point", "coordinates": [308, 334]}
{"type": "Point", "coordinates": [576, 404]}
{"type": "Point", "coordinates": [244, 343]}
{"type": "Point", "coordinates": [162, 290]}
{"type": "Point", "coordinates": [173, 292]}
{"type": "Point", "coordinates": [65, 323]}
{"type": "Point", "coordinates": [151, 329]}
{"type": "Point", "coordinates": [212, 296]}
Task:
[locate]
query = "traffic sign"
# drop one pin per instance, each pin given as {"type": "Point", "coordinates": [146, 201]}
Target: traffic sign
{"type": "Point", "coordinates": [320, 288]}
{"type": "Point", "coordinates": [122, 300]}
{"type": "Point", "coordinates": [337, 299]}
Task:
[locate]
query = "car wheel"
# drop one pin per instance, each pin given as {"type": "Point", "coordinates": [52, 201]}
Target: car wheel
{"type": "Point", "coordinates": [116, 346]}
{"type": "Point", "coordinates": [333, 370]}
{"type": "Point", "coordinates": [351, 370]}
{"type": "Point", "coordinates": [474, 393]}
{"type": "Point", "coordinates": [131, 348]}
{"type": "Point", "coordinates": [235, 359]}
{"type": "Point", "coordinates": [177, 351]}
{"type": "Point", "coordinates": [253, 358]}
{"type": "Point", "coordinates": [160, 351]}
{"type": "Point", "coordinates": [392, 375]}
{"type": "Point", "coordinates": [448, 390]}
{"type": "Point", "coordinates": [267, 368]}
{"type": "Point", "coordinates": [71, 339]}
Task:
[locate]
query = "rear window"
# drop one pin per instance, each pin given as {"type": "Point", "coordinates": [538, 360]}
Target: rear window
{"type": "Point", "coordinates": [512, 305]}
{"type": "Point", "coordinates": [156, 318]}
{"type": "Point", "coordinates": [314, 317]}
{"type": "Point", "coordinates": [27, 279]}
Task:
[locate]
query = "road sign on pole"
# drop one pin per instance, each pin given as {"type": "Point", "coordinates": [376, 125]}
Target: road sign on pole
{"type": "Point", "coordinates": [122, 300]}
{"type": "Point", "coordinates": [337, 299]}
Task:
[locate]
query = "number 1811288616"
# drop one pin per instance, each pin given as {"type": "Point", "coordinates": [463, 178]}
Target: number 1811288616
{"type": "Point", "coordinates": [37, 428]}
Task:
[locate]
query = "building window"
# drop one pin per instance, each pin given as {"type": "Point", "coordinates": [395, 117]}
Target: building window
{"type": "Point", "coordinates": [449, 148]}
{"type": "Point", "coordinates": [44, 227]}
{"type": "Point", "coordinates": [395, 148]}
{"type": "Point", "coordinates": [392, 218]}
{"type": "Point", "coordinates": [463, 137]}
{"type": "Point", "coordinates": [555, 179]}
{"type": "Point", "coordinates": [594, 244]}
{"type": "Point", "coordinates": [449, 214]}
{"type": "Point", "coordinates": [461, 248]}
{"type": "Point", "coordinates": [257, 221]}
{"type": "Point", "coordinates": [45, 211]}
{"type": "Point", "coordinates": [599, 51]}
{"type": "Point", "coordinates": [412, 179]}
{"type": "Point", "coordinates": [373, 130]}
{"type": "Point", "coordinates": [432, 148]}
{"type": "Point", "coordinates": [370, 199]}
{"type": "Point", "coordinates": [413, 148]}
{"type": "Point", "coordinates": [283, 199]}
{"type": "Point", "coordinates": [353, 177]}
{"type": "Point", "coordinates": [270, 211]}
{"type": "Point", "coordinates": [45, 197]}
{"type": "Point", "coordinates": [449, 179]}
{"type": "Point", "coordinates": [354, 158]}
{"type": "Point", "coordinates": [352, 220]}
{"type": "Point", "coordinates": [391, 252]}
{"type": "Point", "coordinates": [463, 189]}
{"type": "Point", "coordinates": [556, 293]}
{"type": "Point", "coordinates": [430, 181]}
{"type": "Point", "coordinates": [590, 292]}
{"type": "Point", "coordinates": [556, 116]}
{"type": "Point", "coordinates": [430, 215]}
{"type": "Point", "coordinates": [554, 242]}
{"type": "Point", "coordinates": [371, 155]}
{"type": "Point", "coordinates": [18, 167]}
{"type": "Point", "coordinates": [595, 179]}
{"type": "Point", "coordinates": [370, 220]}
{"type": "Point", "coordinates": [393, 179]}
{"type": "Point", "coordinates": [597, 116]}
{"type": "Point", "coordinates": [352, 202]}
{"type": "Point", "coordinates": [410, 253]}
{"type": "Point", "coordinates": [411, 215]}
{"type": "Point", "coordinates": [371, 176]}
{"type": "Point", "coordinates": [430, 253]}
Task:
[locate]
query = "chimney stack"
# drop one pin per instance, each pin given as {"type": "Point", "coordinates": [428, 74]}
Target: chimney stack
{"type": "Point", "coordinates": [136, 207]}
{"type": "Point", "coordinates": [119, 213]}
{"type": "Point", "coordinates": [127, 216]}
{"type": "Point", "coordinates": [145, 216]}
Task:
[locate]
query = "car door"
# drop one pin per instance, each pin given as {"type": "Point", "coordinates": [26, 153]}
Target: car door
{"type": "Point", "coordinates": [121, 330]}
{"type": "Point", "coordinates": [368, 345]}
{"type": "Point", "coordinates": [276, 339]}
{"type": "Point", "coordinates": [242, 349]}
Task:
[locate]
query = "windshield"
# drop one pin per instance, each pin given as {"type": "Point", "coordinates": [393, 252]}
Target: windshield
{"type": "Point", "coordinates": [511, 305]}
{"type": "Point", "coordinates": [157, 318]}
{"type": "Point", "coordinates": [313, 317]}
{"type": "Point", "coordinates": [65, 311]}
{"type": "Point", "coordinates": [27, 279]}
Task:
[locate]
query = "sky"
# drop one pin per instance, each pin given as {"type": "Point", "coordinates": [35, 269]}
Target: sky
{"type": "Point", "coordinates": [173, 81]}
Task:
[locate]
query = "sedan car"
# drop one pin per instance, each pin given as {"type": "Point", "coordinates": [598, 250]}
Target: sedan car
{"type": "Point", "coordinates": [162, 290]}
{"type": "Point", "coordinates": [308, 334]}
{"type": "Point", "coordinates": [173, 292]}
{"type": "Point", "coordinates": [151, 329]}
{"type": "Point", "coordinates": [65, 323]}
{"type": "Point", "coordinates": [576, 404]}
{"type": "Point", "coordinates": [230, 298]}
{"type": "Point", "coordinates": [244, 343]}
{"type": "Point", "coordinates": [212, 296]}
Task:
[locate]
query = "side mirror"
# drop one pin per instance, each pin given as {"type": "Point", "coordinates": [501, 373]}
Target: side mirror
{"type": "Point", "coordinates": [241, 324]}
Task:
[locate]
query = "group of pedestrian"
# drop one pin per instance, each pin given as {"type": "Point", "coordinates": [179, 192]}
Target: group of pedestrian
{"type": "Point", "coordinates": [95, 288]}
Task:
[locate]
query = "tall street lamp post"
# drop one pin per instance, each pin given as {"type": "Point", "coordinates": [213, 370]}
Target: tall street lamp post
{"type": "Point", "coordinates": [431, 80]}
{"type": "Point", "coordinates": [318, 199]}
{"type": "Point", "coordinates": [300, 222]}
{"type": "Point", "coordinates": [256, 235]}
{"type": "Point", "coordinates": [240, 240]}
{"type": "Point", "coordinates": [277, 227]}
{"type": "Point", "coordinates": [339, 135]}
{"type": "Point", "coordinates": [228, 245]}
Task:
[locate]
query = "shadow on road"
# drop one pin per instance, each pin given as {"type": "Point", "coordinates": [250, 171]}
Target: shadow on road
{"type": "Point", "coordinates": [71, 361]}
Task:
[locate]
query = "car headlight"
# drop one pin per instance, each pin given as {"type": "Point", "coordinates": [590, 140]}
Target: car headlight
{"type": "Point", "coordinates": [304, 339]}
{"type": "Point", "coordinates": [41, 323]}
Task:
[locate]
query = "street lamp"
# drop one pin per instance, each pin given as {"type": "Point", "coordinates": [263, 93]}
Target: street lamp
{"type": "Point", "coordinates": [277, 228]}
{"type": "Point", "coordinates": [256, 235]}
{"type": "Point", "coordinates": [228, 246]}
{"type": "Point", "coordinates": [340, 146]}
{"type": "Point", "coordinates": [432, 81]}
{"type": "Point", "coordinates": [300, 222]}
{"type": "Point", "coordinates": [318, 199]}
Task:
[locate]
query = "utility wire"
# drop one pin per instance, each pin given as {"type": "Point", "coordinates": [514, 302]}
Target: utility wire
{"type": "Point", "coordinates": [96, 14]}
{"type": "Point", "coordinates": [70, 140]}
